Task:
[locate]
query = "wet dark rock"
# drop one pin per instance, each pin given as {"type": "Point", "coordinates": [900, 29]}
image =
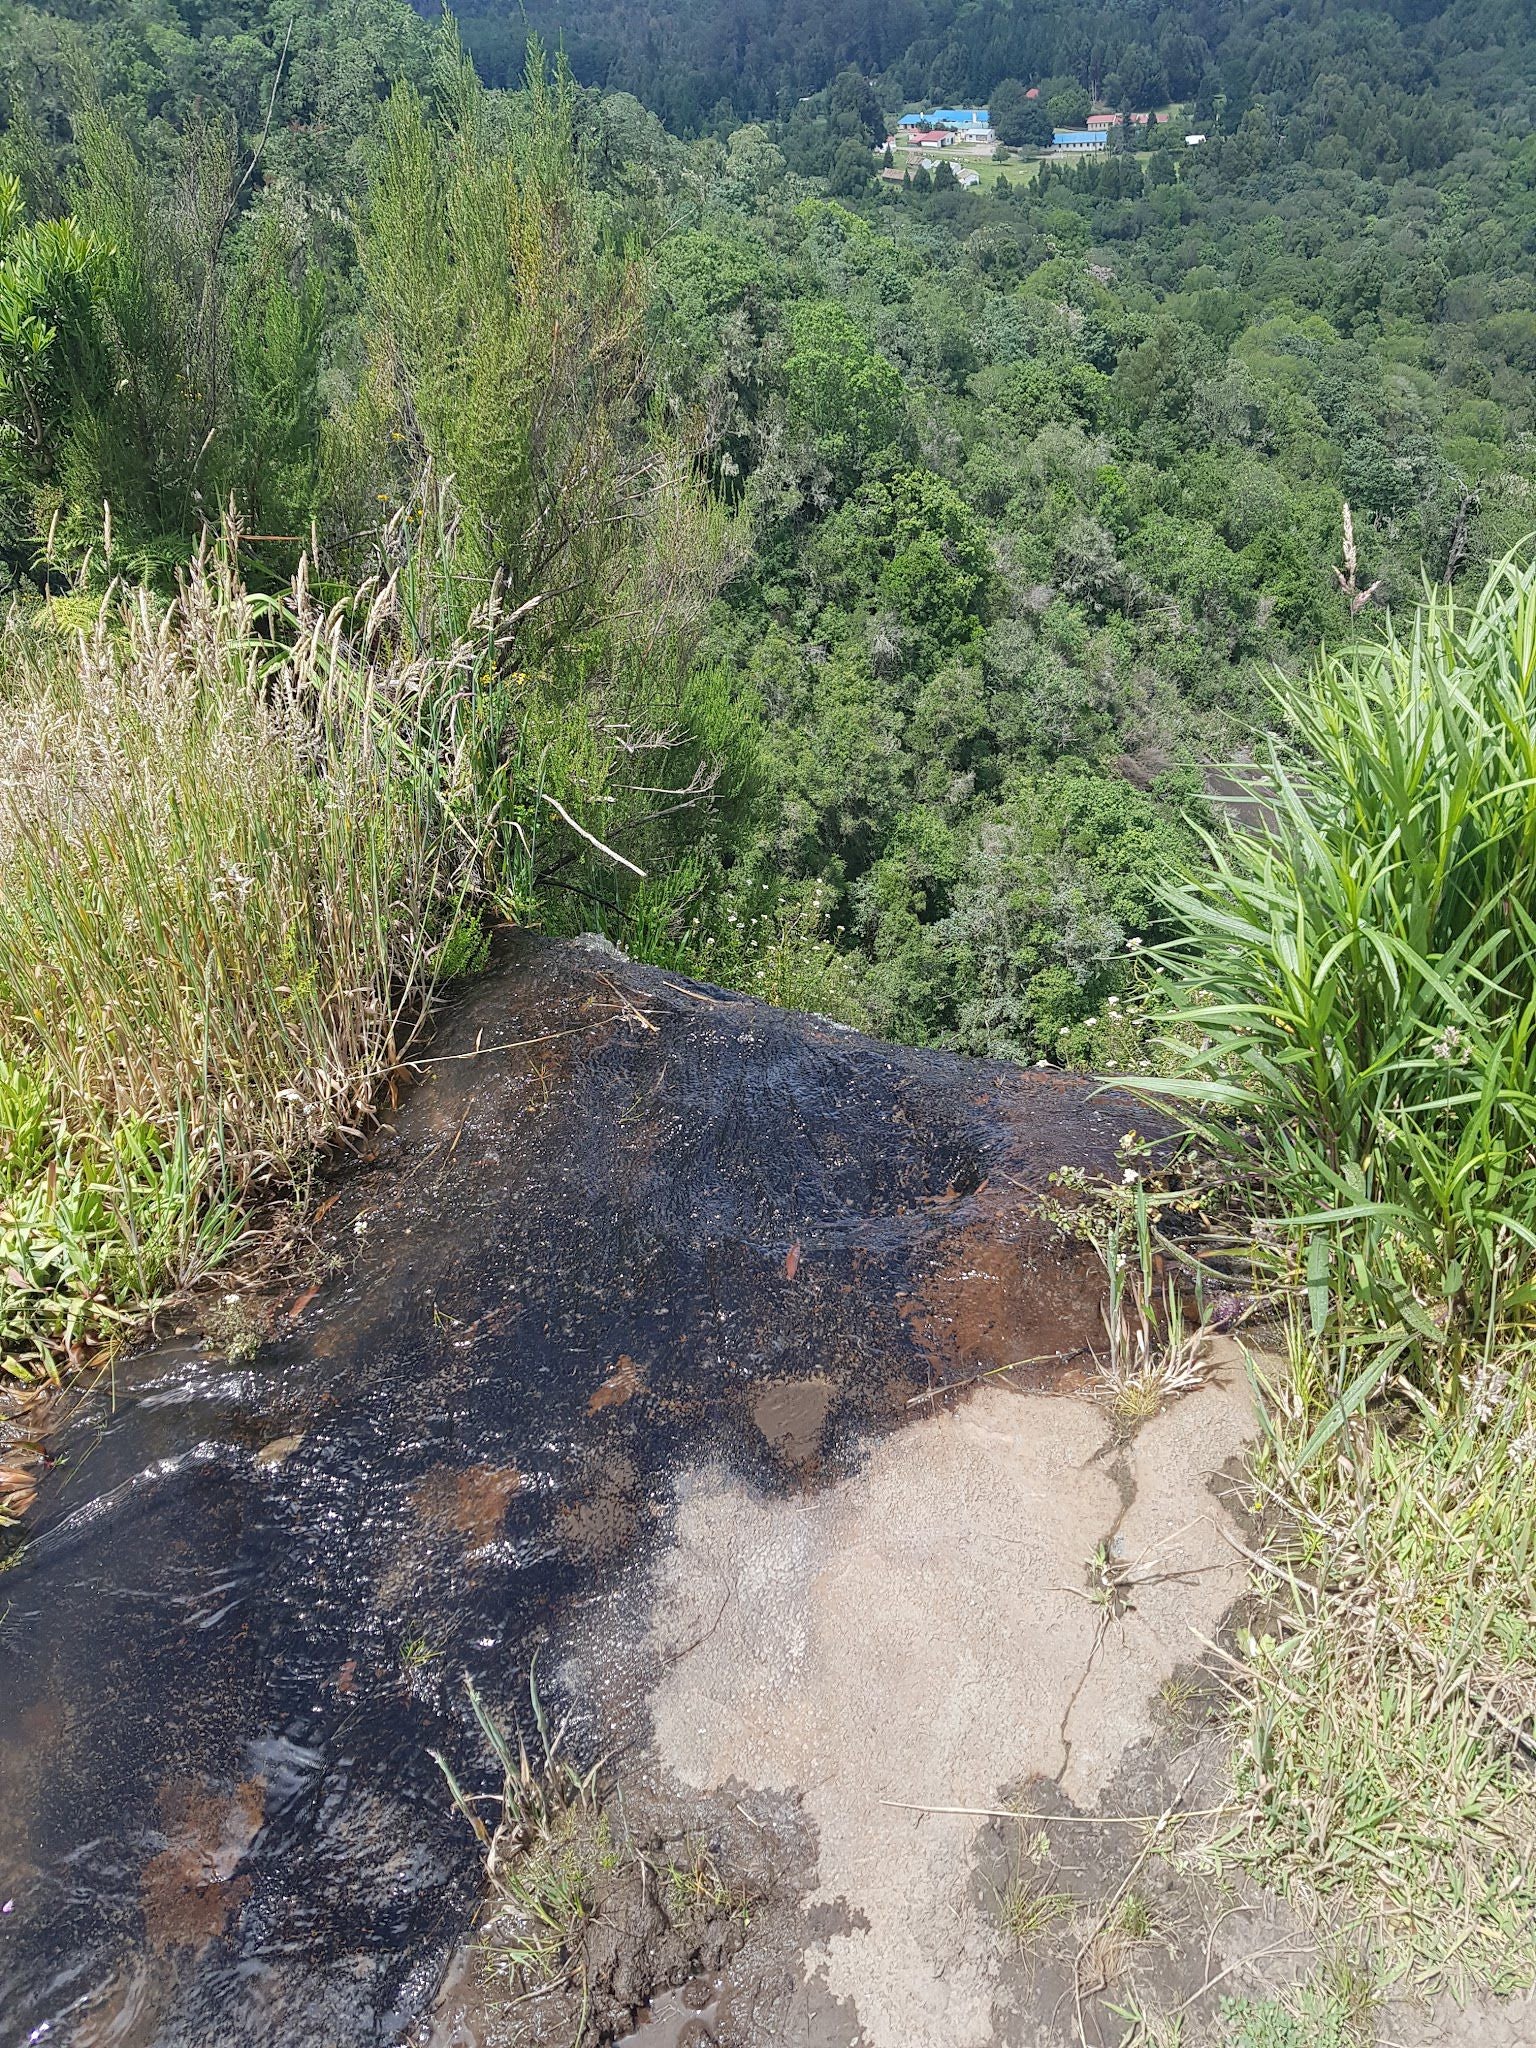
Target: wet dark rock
{"type": "Point", "coordinates": [625, 1223]}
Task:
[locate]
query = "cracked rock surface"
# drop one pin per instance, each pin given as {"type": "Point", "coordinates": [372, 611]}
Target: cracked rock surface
{"type": "Point", "coordinates": [921, 1635]}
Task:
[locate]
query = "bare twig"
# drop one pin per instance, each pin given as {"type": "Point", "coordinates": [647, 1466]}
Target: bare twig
{"type": "Point", "coordinates": [591, 838]}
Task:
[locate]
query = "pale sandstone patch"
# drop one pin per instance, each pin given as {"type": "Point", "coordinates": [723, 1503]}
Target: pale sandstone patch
{"type": "Point", "coordinates": [922, 1633]}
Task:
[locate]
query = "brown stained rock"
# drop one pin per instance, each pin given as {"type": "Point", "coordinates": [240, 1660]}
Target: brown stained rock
{"type": "Point", "coordinates": [792, 1415]}
{"type": "Point", "coordinates": [190, 1892]}
{"type": "Point", "coordinates": [467, 1500]}
{"type": "Point", "coordinates": [38, 1733]}
{"type": "Point", "coordinates": [274, 1453]}
{"type": "Point", "coordinates": [601, 1523]}
{"type": "Point", "coordinates": [621, 1385]}
{"type": "Point", "coordinates": [1008, 1290]}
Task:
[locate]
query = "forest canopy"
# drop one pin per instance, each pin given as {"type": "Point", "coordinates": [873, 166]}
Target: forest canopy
{"type": "Point", "coordinates": [1000, 502]}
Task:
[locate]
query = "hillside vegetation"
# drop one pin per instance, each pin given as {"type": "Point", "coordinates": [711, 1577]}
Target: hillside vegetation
{"type": "Point", "coordinates": [1087, 620]}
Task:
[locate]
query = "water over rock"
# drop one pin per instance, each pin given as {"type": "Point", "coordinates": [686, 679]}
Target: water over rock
{"type": "Point", "coordinates": [625, 1224]}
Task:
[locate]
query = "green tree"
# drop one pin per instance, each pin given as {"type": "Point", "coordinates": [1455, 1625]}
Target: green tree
{"type": "Point", "coordinates": [852, 172]}
{"type": "Point", "coordinates": [1067, 101]}
{"type": "Point", "coordinates": [50, 282]}
{"type": "Point", "coordinates": [840, 389]}
{"type": "Point", "coordinates": [506, 344]}
{"type": "Point", "coordinates": [1009, 110]}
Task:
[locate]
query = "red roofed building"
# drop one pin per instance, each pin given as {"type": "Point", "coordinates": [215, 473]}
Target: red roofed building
{"type": "Point", "coordinates": [1114, 120]}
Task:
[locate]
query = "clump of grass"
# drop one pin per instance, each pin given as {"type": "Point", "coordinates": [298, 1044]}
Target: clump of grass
{"type": "Point", "coordinates": [1352, 997]}
{"type": "Point", "coordinates": [1178, 1693]}
{"type": "Point", "coordinates": [228, 869]}
{"type": "Point", "coordinates": [238, 1326]}
{"type": "Point", "coordinates": [1147, 2028]}
{"type": "Point", "coordinates": [694, 1887]}
{"type": "Point", "coordinates": [1132, 1918]}
{"type": "Point", "coordinates": [1335, 2009]}
{"type": "Point", "coordinates": [98, 1216]}
{"type": "Point", "coordinates": [545, 1843]}
{"type": "Point", "coordinates": [1151, 1352]}
{"type": "Point", "coordinates": [1028, 1909]}
{"type": "Point", "coordinates": [417, 1652]}
{"type": "Point", "coordinates": [1387, 1719]}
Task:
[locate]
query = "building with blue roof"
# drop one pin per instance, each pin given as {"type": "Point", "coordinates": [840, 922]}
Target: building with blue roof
{"type": "Point", "coordinates": [970, 120]}
{"type": "Point", "coordinates": [1079, 138]}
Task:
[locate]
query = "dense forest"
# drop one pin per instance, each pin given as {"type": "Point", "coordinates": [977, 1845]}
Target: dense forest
{"type": "Point", "coordinates": [1014, 493]}
{"type": "Point", "coordinates": [1362, 69]}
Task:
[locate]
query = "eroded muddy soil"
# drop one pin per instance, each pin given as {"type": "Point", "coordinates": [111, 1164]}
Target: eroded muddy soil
{"type": "Point", "coordinates": [643, 1278]}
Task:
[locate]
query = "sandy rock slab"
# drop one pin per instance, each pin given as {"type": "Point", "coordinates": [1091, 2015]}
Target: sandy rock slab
{"type": "Point", "coordinates": [921, 1636]}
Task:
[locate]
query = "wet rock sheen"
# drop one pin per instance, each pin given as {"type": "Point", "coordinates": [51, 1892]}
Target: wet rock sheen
{"type": "Point", "coordinates": [624, 1225]}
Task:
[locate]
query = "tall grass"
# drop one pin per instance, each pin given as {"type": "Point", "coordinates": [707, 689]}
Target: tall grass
{"type": "Point", "coordinates": [234, 843]}
{"type": "Point", "coordinates": [1352, 1010]}
{"type": "Point", "coordinates": [1384, 1732]}
{"type": "Point", "coordinates": [1354, 990]}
